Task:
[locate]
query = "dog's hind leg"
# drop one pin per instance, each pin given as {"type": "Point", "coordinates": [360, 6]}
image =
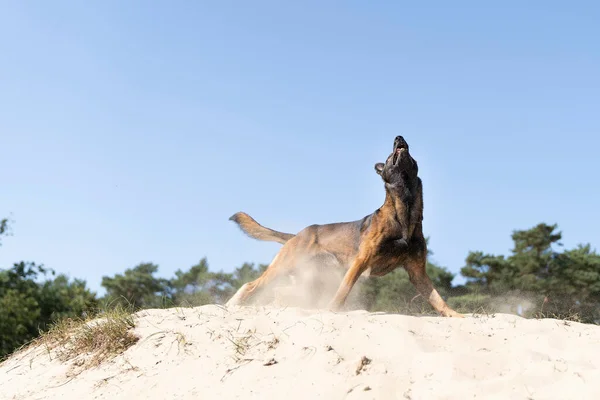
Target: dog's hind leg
{"type": "Point", "coordinates": [359, 266]}
{"type": "Point", "coordinates": [251, 289]}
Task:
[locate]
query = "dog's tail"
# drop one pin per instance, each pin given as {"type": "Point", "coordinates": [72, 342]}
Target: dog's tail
{"type": "Point", "coordinates": [255, 230]}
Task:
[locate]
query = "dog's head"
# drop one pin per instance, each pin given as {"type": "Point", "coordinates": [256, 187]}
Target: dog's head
{"type": "Point", "coordinates": [399, 165]}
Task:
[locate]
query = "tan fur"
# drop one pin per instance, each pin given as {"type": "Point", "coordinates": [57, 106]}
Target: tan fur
{"type": "Point", "coordinates": [253, 229]}
{"type": "Point", "coordinates": [377, 244]}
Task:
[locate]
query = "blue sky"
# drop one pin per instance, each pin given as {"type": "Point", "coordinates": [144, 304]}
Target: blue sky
{"type": "Point", "coordinates": [131, 132]}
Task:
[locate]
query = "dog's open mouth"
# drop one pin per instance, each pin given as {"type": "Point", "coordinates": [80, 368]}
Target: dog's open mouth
{"type": "Point", "coordinates": [399, 150]}
{"type": "Point", "coordinates": [400, 147]}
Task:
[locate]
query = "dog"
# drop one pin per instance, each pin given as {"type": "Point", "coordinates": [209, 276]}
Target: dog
{"type": "Point", "coordinates": [389, 238]}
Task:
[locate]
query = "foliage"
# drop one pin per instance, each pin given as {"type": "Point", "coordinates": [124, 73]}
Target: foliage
{"type": "Point", "coordinates": [199, 286]}
{"type": "Point", "coordinates": [572, 284]}
{"type": "Point", "coordinates": [141, 288]}
{"type": "Point", "coordinates": [538, 277]}
{"type": "Point", "coordinates": [28, 307]}
{"type": "Point", "coordinates": [137, 286]}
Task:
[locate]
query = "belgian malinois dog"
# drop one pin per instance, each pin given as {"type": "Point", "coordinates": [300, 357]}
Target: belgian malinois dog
{"type": "Point", "coordinates": [375, 245]}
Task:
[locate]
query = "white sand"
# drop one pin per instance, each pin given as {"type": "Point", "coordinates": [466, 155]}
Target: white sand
{"type": "Point", "coordinates": [255, 353]}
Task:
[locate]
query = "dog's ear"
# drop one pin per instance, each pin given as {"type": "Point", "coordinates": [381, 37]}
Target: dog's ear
{"type": "Point", "coordinates": [379, 168]}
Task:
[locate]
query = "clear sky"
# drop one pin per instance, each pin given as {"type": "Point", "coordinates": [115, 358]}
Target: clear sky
{"type": "Point", "coordinates": [131, 131]}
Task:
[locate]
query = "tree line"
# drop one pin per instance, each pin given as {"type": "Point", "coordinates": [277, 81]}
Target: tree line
{"type": "Point", "coordinates": [534, 280]}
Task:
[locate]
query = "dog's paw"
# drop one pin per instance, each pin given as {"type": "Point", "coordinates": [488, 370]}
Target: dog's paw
{"type": "Point", "coordinates": [451, 314]}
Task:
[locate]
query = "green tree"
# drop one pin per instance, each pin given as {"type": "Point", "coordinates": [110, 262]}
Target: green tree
{"type": "Point", "coordinates": [246, 273]}
{"type": "Point", "coordinates": [535, 277]}
{"type": "Point", "coordinates": [572, 284]}
{"type": "Point", "coordinates": [137, 287]}
{"type": "Point", "coordinates": [62, 298]}
{"type": "Point", "coordinates": [19, 307]}
{"type": "Point", "coordinates": [223, 285]}
{"type": "Point", "coordinates": [199, 286]}
{"type": "Point", "coordinates": [28, 307]}
{"type": "Point", "coordinates": [524, 270]}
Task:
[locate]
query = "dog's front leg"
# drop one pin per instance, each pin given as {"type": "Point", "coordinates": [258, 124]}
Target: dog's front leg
{"type": "Point", "coordinates": [416, 268]}
{"type": "Point", "coordinates": [238, 297]}
{"type": "Point", "coordinates": [359, 266]}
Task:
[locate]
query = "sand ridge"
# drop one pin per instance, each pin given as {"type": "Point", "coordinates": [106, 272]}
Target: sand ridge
{"type": "Point", "coordinates": [266, 352]}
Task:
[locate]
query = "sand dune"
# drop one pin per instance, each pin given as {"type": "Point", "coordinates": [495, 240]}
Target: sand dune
{"type": "Point", "coordinates": [253, 353]}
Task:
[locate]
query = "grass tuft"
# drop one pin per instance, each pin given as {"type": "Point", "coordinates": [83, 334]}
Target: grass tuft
{"type": "Point", "coordinates": [91, 340]}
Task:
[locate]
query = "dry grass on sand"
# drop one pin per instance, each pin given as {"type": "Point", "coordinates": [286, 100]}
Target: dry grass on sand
{"type": "Point", "coordinates": [84, 342]}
